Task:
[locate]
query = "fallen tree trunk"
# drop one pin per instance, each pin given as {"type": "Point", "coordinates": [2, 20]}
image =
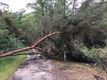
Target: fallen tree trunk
{"type": "Point", "coordinates": [10, 53]}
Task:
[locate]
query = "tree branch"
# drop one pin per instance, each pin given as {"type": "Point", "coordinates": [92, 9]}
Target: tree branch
{"type": "Point", "coordinates": [10, 53]}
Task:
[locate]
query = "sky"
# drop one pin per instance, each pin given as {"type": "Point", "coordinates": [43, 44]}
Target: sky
{"type": "Point", "coordinates": [16, 5]}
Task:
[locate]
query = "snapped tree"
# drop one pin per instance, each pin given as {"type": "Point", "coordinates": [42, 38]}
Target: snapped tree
{"type": "Point", "coordinates": [80, 25]}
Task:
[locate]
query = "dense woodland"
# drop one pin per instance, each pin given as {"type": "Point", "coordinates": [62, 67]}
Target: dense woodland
{"type": "Point", "coordinates": [83, 25]}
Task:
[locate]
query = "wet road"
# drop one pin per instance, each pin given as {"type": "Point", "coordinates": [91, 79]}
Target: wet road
{"type": "Point", "coordinates": [37, 70]}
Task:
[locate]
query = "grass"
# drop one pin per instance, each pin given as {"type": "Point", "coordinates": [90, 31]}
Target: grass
{"type": "Point", "coordinates": [8, 65]}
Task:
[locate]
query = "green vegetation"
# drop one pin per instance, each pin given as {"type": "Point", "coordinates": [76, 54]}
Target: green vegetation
{"type": "Point", "coordinates": [8, 66]}
{"type": "Point", "coordinates": [83, 24]}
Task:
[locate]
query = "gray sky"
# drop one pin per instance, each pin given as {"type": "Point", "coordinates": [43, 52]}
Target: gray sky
{"type": "Point", "coordinates": [16, 5]}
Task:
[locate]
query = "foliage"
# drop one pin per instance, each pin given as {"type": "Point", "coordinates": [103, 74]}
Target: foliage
{"type": "Point", "coordinates": [8, 39]}
{"type": "Point", "coordinates": [82, 24]}
{"type": "Point", "coordinates": [8, 42]}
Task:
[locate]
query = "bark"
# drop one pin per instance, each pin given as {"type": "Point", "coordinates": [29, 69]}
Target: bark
{"type": "Point", "coordinates": [10, 53]}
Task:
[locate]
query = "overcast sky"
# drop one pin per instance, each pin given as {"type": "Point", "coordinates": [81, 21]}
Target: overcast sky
{"type": "Point", "coordinates": [16, 5]}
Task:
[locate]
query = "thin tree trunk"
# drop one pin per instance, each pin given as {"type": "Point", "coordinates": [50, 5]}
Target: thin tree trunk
{"type": "Point", "coordinates": [30, 47]}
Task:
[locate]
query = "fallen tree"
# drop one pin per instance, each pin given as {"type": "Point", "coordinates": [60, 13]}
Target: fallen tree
{"type": "Point", "coordinates": [10, 53]}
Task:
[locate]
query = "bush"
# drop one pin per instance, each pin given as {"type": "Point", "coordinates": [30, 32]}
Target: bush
{"type": "Point", "coordinates": [8, 42]}
{"type": "Point", "coordinates": [92, 55]}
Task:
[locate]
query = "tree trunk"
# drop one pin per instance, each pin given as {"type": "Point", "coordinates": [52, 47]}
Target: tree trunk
{"type": "Point", "coordinates": [30, 47]}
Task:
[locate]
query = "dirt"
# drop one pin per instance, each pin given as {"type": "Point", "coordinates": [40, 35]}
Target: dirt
{"type": "Point", "coordinates": [80, 71]}
{"type": "Point", "coordinates": [42, 69]}
{"type": "Point", "coordinates": [37, 70]}
{"type": "Point", "coordinates": [83, 75]}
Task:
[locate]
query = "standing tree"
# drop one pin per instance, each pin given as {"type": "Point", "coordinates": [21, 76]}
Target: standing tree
{"type": "Point", "coordinates": [79, 23]}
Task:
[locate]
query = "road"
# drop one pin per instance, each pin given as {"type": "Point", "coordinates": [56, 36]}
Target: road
{"type": "Point", "coordinates": [39, 69]}
{"type": "Point", "coordinates": [42, 69]}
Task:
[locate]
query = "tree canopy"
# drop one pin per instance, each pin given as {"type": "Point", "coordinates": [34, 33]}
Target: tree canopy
{"type": "Point", "coordinates": [83, 24]}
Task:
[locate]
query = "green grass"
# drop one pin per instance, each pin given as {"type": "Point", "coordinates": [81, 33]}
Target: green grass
{"type": "Point", "coordinates": [8, 65]}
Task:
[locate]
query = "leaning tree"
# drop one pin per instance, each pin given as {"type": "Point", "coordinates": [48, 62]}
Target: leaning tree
{"type": "Point", "coordinates": [79, 25]}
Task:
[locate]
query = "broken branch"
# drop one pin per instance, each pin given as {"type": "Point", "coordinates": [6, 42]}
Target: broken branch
{"type": "Point", "coordinates": [10, 53]}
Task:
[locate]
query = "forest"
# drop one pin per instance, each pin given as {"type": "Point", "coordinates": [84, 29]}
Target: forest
{"type": "Point", "coordinates": [69, 33]}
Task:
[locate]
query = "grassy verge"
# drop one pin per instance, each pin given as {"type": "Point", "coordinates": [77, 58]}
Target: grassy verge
{"type": "Point", "coordinates": [8, 65]}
